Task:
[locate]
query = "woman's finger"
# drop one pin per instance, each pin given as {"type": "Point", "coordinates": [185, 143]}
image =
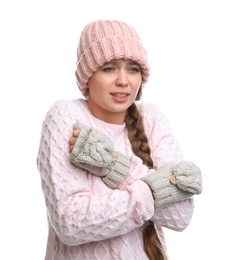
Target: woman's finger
{"type": "Point", "coordinates": [72, 140]}
{"type": "Point", "coordinates": [76, 132]}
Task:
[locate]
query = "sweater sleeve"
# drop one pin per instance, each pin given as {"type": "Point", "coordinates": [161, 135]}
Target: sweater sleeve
{"type": "Point", "coordinates": [164, 149]}
{"type": "Point", "coordinates": [175, 216]}
{"type": "Point", "coordinates": [81, 208]}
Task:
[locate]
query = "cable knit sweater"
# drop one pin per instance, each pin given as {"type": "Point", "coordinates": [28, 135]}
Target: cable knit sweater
{"type": "Point", "coordinates": [87, 219]}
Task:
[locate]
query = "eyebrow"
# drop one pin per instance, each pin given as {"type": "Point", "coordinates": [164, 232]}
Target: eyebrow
{"type": "Point", "coordinates": [130, 62]}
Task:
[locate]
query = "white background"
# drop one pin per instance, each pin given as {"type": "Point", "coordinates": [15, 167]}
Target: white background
{"type": "Point", "coordinates": [186, 42]}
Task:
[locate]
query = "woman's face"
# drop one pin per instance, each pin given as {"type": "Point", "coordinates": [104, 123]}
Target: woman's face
{"type": "Point", "coordinates": [112, 89]}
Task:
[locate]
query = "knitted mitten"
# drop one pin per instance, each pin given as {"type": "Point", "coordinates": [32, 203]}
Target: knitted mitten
{"type": "Point", "coordinates": [94, 151]}
{"type": "Point", "coordinates": [174, 182]}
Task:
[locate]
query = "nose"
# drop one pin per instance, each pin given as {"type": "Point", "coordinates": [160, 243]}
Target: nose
{"type": "Point", "coordinates": [122, 79]}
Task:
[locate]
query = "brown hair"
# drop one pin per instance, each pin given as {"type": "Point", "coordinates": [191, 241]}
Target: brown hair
{"type": "Point", "coordinates": [152, 243]}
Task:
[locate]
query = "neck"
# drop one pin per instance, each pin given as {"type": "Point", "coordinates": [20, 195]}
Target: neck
{"type": "Point", "coordinates": [117, 118]}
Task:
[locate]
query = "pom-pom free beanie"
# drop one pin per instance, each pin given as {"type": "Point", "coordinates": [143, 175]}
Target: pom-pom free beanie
{"type": "Point", "coordinates": [104, 40]}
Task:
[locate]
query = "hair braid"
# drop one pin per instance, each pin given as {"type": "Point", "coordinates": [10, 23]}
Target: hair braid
{"type": "Point", "coordinates": [138, 139]}
{"type": "Point", "coordinates": [137, 135]}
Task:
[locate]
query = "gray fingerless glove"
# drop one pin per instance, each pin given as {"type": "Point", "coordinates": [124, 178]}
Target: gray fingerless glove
{"type": "Point", "coordinates": [174, 182]}
{"type": "Point", "coordinates": [94, 151]}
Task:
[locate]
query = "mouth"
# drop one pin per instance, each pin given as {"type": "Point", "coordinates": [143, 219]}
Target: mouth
{"type": "Point", "coordinates": [120, 95]}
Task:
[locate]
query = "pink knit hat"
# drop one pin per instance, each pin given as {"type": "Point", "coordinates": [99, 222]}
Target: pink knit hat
{"type": "Point", "coordinates": [104, 40]}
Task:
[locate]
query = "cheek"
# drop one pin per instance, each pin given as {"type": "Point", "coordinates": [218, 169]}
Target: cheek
{"type": "Point", "coordinates": [138, 91]}
{"type": "Point", "coordinates": [96, 82]}
{"type": "Point", "coordinates": [137, 86]}
{"type": "Point", "coordinates": [137, 82]}
{"type": "Point", "coordinates": [96, 91]}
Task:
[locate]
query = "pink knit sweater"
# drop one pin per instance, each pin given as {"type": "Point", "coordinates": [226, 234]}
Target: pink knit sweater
{"type": "Point", "coordinates": [87, 219]}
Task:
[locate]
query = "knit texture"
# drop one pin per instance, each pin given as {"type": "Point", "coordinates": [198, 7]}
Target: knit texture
{"type": "Point", "coordinates": [87, 219]}
{"type": "Point", "coordinates": [174, 182]}
{"type": "Point", "coordinates": [188, 177]}
{"type": "Point", "coordinates": [94, 151]}
{"type": "Point", "coordinates": [104, 40]}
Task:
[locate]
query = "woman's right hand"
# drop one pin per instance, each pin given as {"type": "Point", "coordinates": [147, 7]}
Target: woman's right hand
{"type": "Point", "coordinates": [95, 152]}
{"type": "Point", "coordinates": [73, 138]}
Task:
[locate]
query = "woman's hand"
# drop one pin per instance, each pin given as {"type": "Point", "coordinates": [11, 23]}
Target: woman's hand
{"type": "Point", "coordinates": [94, 151]}
{"type": "Point", "coordinates": [174, 182]}
{"type": "Point", "coordinates": [73, 138]}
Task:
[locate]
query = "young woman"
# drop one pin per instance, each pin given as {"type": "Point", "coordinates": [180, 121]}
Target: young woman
{"type": "Point", "coordinates": [111, 169]}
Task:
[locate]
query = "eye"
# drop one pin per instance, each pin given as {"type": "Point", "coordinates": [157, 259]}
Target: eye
{"type": "Point", "coordinates": [108, 68]}
{"type": "Point", "coordinates": [134, 69]}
